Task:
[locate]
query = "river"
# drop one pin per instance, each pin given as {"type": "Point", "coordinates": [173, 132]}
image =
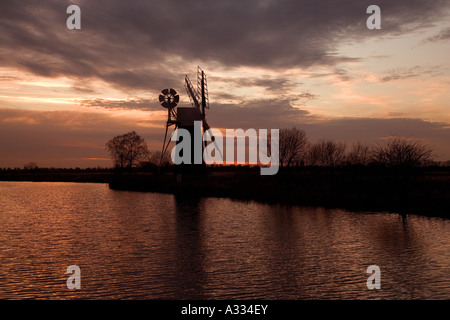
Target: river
{"type": "Point", "coordinates": [131, 245]}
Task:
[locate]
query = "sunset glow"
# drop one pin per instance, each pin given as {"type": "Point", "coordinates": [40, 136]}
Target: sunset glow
{"type": "Point", "coordinates": [64, 93]}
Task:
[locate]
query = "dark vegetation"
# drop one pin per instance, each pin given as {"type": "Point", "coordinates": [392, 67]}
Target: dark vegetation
{"type": "Point", "coordinates": [100, 175]}
{"type": "Point", "coordinates": [127, 150]}
{"type": "Point", "coordinates": [424, 191]}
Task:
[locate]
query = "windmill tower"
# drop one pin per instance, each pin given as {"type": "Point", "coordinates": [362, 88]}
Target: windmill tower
{"type": "Point", "coordinates": [185, 117]}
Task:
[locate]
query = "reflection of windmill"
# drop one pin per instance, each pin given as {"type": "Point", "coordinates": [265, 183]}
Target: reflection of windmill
{"type": "Point", "coordinates": [184, 117]}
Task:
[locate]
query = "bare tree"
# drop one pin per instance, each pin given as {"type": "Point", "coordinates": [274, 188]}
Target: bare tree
{"type": "Point", "coordinates": [292, 146]}
{"type": "Point", "coordinates": [360, 154]}
{"type": "Point", "coordinates": [127, 150]}
{"type": "Point", "coordinates": [398, 151]}
{"type": "Point", "coordinates": [30, 166]}
{"type": "Point", "coordinates": [326, 153]}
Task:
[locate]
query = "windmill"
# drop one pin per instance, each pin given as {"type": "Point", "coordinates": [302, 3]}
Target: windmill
{"type": "Point", "coordinates": [184, 117]}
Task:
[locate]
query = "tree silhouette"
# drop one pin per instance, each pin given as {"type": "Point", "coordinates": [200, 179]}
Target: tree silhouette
{"type": "Point", "coordinates": [30, 166]}
{"type": "Point", "coordinates": [127, 150]}
{"type": "Point", "coordinates": [402, 152]}
{"type": "Point", "coordinates": [327, 153]}
{"type": "Point", "coordinates": [359, 155]}
{"type": "Point", "coordinates": [292, 146]}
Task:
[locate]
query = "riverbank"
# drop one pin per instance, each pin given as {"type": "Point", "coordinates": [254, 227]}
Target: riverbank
{"type": "Point", "coordinates": [423, 191]}
{"type": "Point", "coordinates": [58, 175]}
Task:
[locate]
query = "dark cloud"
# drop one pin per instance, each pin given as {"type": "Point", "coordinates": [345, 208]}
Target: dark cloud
{"type": "Point", "coordinates": [341, 73]}
{"type": "Point", "coordinates": [442, 36]}
{"type": "Point", "coordinates": [305, 96]}
{"type": "Point", "coordinates": [80, 88]}
{"type": "Point", "coordinates": [269, 113]}
{"type": "Point", "coordinates": [270, 84]}
{"type": "Point", "coordinates": [259, 108]}
{"type": "Point", "coordinates": [405, 73]}
{"type": "Point", "coordinates": [129, 104]}
{"type": "Point", "coordinates": [148, 45]}
{"type": "Point", "coordinates": [220, 95]}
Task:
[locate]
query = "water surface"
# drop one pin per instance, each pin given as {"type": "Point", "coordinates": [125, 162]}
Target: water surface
{"type": "Point", "coordinates": [132, 245]}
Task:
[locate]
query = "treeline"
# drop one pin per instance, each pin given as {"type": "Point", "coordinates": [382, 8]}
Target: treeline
{"type": "Point", "coordinates": [35, 173]}
{"type": "Point", "coordinates": [296, 150]}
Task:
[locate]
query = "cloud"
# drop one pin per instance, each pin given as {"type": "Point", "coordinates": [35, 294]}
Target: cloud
{"type": "Point", "coordinates": [442, 36]}
{"type": "Point", "coordinates": [8, 78]}
{"type": "Point", "coordinates": [342, 74]}
{"type": "Point", "coordinates": [128, 104]}
{"type": "Point", "coordinates": [339, 73]}
{"type": "Point", "coordinates": [271, 85]}
{"type": "Point", "coordinates": [405, 73]}
{"type": "Point", "coordinates": [145, 45]}
{"type": "Point", "coordinates": [268, 113]}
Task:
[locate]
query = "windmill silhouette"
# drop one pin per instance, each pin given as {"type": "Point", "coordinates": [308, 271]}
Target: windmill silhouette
{"type": "Point", "coordinates": [184, 117]}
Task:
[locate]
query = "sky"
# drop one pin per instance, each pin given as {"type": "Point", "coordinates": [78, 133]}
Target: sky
{"type": "Point", "coordinates": [270, 64]}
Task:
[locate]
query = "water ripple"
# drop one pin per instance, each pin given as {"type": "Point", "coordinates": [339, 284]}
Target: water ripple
{"type": "Point", "coordinates": [153, 246]}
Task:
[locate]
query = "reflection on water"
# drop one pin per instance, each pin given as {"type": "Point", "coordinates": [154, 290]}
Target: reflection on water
{"type": "Point", "coordinates": [154, 246]}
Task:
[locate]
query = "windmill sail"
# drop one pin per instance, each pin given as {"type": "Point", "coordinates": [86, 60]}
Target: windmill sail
{"type": "Point", "coordinates": [199, 99]}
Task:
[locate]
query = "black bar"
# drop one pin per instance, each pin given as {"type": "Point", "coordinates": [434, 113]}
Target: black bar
{"type": "Point", "coordinates": [223, 309]}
